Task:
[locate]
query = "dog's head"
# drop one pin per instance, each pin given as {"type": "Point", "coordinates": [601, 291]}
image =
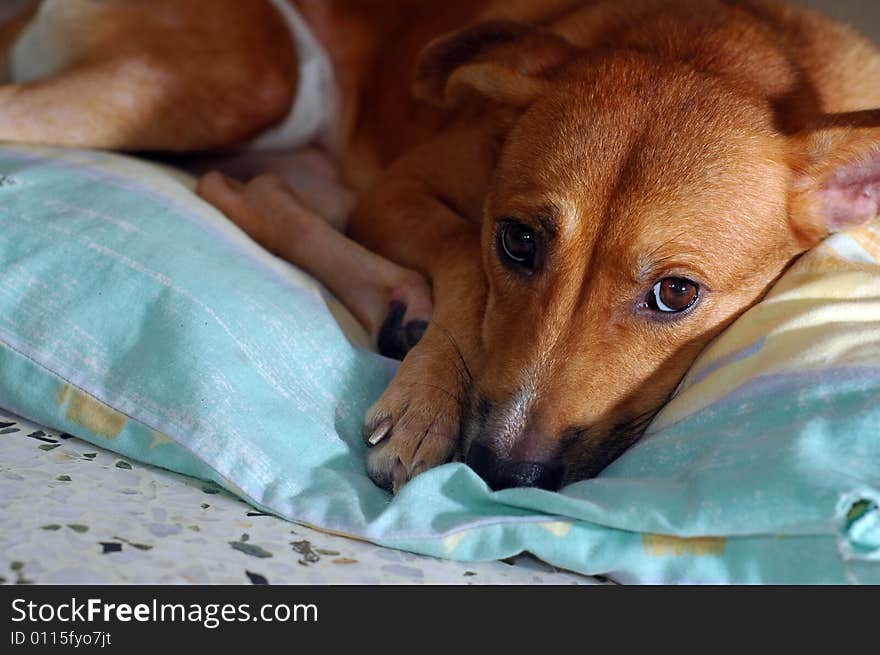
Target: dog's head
{"type": "Point", "coordinates": [637, 208]}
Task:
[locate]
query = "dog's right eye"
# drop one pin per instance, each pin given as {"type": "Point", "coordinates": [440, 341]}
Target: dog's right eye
{"type": "Point", "coordinates": [518, 244]}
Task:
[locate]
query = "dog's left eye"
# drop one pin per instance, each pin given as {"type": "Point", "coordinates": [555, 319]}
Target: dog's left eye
{"type": "Point", "coordinates": [672, 295]}
{"type": "Point", "coordinates": [518, 244]}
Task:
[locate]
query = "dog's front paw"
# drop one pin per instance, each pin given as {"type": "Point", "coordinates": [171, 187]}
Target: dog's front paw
{"type": "Point", "coordinates": [416, 423]}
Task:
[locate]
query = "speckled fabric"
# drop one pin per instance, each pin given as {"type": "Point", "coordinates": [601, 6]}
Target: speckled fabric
{"type": "Point", "coordinates": [72, 513]}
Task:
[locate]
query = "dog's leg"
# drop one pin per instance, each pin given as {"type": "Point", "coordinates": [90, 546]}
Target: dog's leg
{"type": "Point", "coordinates": [391, 302]}
{"type": "Point", "coordinates": [148, 75]}
{"type": "Point", "coordinates": [312, 172]}
{"type": "Point", "coordinates": [415, 425]}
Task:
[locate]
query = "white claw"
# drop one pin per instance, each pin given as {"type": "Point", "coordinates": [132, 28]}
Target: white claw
{"type": "Point", "coordinates": [380, 433]}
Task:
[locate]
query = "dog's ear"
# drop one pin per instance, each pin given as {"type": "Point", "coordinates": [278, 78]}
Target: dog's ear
{"type": "Point", "coordinates": [502, 61]}
{"type": "Point", "coordinates": [836, 182]}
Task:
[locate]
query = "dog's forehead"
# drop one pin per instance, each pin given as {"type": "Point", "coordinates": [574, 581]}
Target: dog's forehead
{"type": "Point", "coordinates": [597, 136]}
{"type": "Point", "coordinates": [671, 161]}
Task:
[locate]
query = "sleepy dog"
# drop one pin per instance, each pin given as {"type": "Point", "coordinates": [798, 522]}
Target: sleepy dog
{"type": "Point", "coordinates": [559, 203]}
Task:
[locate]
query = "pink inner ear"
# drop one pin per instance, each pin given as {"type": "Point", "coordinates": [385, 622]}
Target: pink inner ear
{"type": "Point", "coordinates": [852, 196]}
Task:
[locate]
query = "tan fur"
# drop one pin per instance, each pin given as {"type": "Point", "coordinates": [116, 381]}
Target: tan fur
{"type": "Point", "coordinates": [156, 75]}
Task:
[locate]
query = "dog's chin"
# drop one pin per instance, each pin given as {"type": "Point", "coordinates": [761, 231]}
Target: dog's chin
{"type": "Point", "coordinates": [579, 472]}
{"type": "Point", "coordinates": [503, 474]}
{"type": "Point", "coordinates": [583, 452]}
{"type": "Point", "coordinates": [587, 452]}
{"type": "Point", "coordinates": [534, 474]}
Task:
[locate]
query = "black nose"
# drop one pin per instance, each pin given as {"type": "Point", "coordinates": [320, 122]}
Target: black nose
{"type": "Point", "coordinates": [502, 474]}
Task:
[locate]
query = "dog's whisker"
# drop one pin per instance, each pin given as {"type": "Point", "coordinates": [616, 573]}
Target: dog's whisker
{"type": "Point", "coordinates": [465, 368]}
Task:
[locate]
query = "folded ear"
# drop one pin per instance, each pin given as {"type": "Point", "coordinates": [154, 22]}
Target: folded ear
{"type": "Point", "coordinates": [502, 61]}
{"type": "Point", "coordinates": [837, 176]}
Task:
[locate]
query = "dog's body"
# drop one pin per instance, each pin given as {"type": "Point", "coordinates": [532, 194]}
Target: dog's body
{"type": "Point", "coordinates": [593, 189]}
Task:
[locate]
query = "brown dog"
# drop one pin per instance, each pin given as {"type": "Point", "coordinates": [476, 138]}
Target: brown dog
{"type": "Point", "coordinates": [593, 189]}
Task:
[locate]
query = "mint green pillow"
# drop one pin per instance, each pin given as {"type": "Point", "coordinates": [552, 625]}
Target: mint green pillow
{"type": "Point", "coordinates": [136, 317]}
